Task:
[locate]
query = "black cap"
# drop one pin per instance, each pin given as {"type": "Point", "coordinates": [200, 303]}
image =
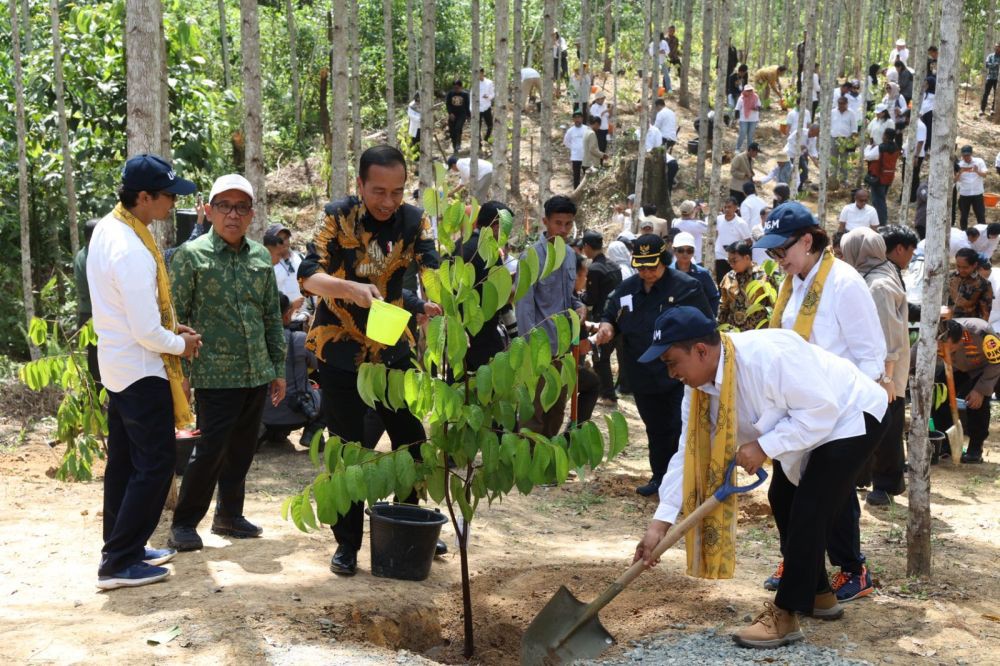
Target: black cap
{"type": "Point", "coordinates": [593, 239]}
{"type": "Point", "coordinates": [647, 251]}
{"type": "Point", "coordinates": [152, 173]}
{"type": "Point", "coordinates": [783, 222]}
{"type": "Point", "coordinates": [676, 325]}
{"type": "Point", "coordinates": [273, 234]}
{"type": "Point", "coordinates": [966, 150]}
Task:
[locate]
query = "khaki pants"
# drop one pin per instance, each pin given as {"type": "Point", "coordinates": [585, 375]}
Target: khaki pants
{"type": "Point", "coordinates": [531, 86]}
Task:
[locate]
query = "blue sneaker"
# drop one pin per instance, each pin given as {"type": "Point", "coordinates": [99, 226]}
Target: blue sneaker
{"type": "Point", "coordinates": [158, 556]}
{"type": "Point", "coordinates": [134, 576]}
{"type": "Point", "coordinates": [849, 586]}
{"type": "Point", "coordinates": [771, 582]}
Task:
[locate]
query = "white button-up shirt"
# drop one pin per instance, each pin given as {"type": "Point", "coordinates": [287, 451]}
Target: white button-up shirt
{"type": "Point", "coordinates": [843, 124]}
{"type": "Point", "coordinates": [729, 232]}
{"type": "Point", "coordinates": [600, 111]}
{"type": "Point", "coordinates": [285, 275]}
{"type": "Point", "coordinates": [122, 277]}
{"type": "Point", "coordinates": [970, 183]}
{"type": "Point", "coordinates": [573, 140]}
{"type": "Point", "coordinates": [791, 397]}
{"type": "Point", "coordinates": [750, 209]}
{"type": "Point", "coordinates": [666, 122]}
{"type": "Point", "coordinates": [854, 217]}
{"type": "Point", "coordinates": [487, 91]}
{"type": "Point", "coordinates": [653, 137]}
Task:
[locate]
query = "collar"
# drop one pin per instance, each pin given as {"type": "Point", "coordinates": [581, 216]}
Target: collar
{"type": "Point", "coordinates": [797, 281]}
{"type": "Point", "coordinates": [714, 388]}
{"type": "Point", "coordinates": [219, 245]}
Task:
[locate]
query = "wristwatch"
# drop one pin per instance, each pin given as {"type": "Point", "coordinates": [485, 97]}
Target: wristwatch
{"type": "Point", "coordinates": [885, 380]}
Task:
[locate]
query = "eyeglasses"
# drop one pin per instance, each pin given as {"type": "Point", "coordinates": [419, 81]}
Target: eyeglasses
{"type": "Point", "coordinates": [684, 250]}
{"type": "Point", "coordinates": [242, 208]}
{"type": "Point", "coordinates": [780, 252]}
{"type": "Point", "coordinates": [170, 195]}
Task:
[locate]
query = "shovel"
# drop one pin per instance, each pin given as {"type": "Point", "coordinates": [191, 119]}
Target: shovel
{"type": "Point", "coordinates": [956, 438]}
{"type": "Point", "coordinates": [567, 629]}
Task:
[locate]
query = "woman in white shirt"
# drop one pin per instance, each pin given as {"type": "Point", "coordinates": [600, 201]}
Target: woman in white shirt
{"type": "Point", "coordinates": [748, 108]}
{"type": "Point", "coordinates": [413, 114]}
{"type": "Point", "coordinates": [828, 303]}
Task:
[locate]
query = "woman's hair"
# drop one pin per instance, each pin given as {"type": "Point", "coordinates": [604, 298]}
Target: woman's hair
{"type": "Point", "coordinates": [820, 240]}
{"type": "Point", "coordinates": [742, 248]}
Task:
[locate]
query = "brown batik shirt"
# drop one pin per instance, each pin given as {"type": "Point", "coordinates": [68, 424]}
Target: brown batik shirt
{"type": "Point", "coordinates": [970, 297]}
{"type": "Point", "coordinates": [352, 245]}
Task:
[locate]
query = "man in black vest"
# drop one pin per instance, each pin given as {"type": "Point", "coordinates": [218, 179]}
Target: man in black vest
{"type": "Point", "coordinates": [602, 278]}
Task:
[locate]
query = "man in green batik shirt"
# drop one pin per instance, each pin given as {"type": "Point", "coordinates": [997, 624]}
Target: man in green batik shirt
{"type": "Point", "coordinates": [225, 282]}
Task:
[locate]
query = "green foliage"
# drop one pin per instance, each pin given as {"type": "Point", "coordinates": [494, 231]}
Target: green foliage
{"type": "Point", "coordinates": [81, 423]}
{"type": "Point", "coordinates": [762, 294]}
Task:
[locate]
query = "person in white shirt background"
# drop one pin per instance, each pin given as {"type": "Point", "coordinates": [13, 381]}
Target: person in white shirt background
{"type": "Point", "coordinates": [880, 123]}
{"type": "Point", "coordinates": [748, 108]}
{"type": "Point", "coordinates": [136, 340]}
{"type": "Point", "coordinates": [285, 270]}
{"type": "Point", "coordinates": [858, 214]}
{"type": "Point", "coordinates": [843, 125]}
{"type": "Point", "coordinates": [987, 270]}
{"type": "Point", "coordinates": [573, 139]}
{"type": "Point", "coordinates": [413, 116]}
{"type": "Point", "coordinates": [463, 166]}
{"type": "Point", "coordinates": [600, 110]}
{"type": "Point", "coordinates": [653, 137]}
{"type": "Point", "coordinates": [730, 228]}
{"type": "Point", "coordinates": [989, 238]}
{"type": "Point", "coordinates": [899, 52]}
{"type": "Point", "coordinates": [487, 91]}
{"type": "Point", "coordinates": [692, 224]}
{"type": "Point", "coordinates": [752, 205]}
{"type": "Point", "coordinates": [559, 57]}
{"type": "Point", "coordinates": [666, 122]}
{"type": "Point", "coordinates": [531, 86]}
{"type": "Point", "coordinates": [970, 175]}
{"type": "Point", "coordinates": [816, 415]}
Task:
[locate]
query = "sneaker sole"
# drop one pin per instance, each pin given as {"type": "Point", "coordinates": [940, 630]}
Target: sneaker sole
{"type": "Point", "coordinates": [860, 595]}
{"type": "Point", "coordinates": [185, 546]}
{"type": "Point", "coordinates": [236, 534]}
{"type": "Point", "coordinates": [771, 587]}
{"type": "Point", "coordinates": [116, 583]}
{"type": "Point", "coordinates": [157, 561]}
{"type": "Point", "coordinates": [342, 572]}
{"type": "Point", "coordinates": [787, 639]}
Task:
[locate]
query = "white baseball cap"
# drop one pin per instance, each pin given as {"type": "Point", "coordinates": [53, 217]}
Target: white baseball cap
{"type": "Point", "coordinates": [901, 42]}
{"type": "Point", "coordinates": [231, 181]}
{"type": "Point", "coordinates": [683, 239]}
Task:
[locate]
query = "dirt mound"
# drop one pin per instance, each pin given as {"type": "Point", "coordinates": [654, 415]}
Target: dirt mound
{"type": "Point", "coordinates": [414, 627]}
{"type": "Point", "coordinates": [754, 511]}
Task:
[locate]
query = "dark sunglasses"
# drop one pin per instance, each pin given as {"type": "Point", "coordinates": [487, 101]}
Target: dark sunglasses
{"type": "Point", "coordinates": [781, 251]}
{"type": "Point", "coordinates": [225, 208]}
{"type": "Point", "coordinates": [683, 250]}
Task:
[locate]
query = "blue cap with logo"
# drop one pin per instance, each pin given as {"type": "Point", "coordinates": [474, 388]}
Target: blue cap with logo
{"type": "Point", "coordinates": [152, 173]}
{"type": "Point", "coordinates": [676, 325]}
{"type": "Point", "coordinates": [783, 222]}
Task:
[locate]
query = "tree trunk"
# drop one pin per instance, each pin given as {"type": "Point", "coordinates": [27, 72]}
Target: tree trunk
{"type": "Point", "coordinates": [253, 120]}
{"type": "Point", "coordinates": [474, 130]}
{"type": "Point", "coordinates": [165, 150]}
{"type": "Point", "coordinates": [27, 286]}
{"type": "Point", "coordinates": [918, 525]}
{"type": "Point", "coordinates": [355, 51]}
{"type": "Point", "coordinates": [227, 76]}
{"type": "Point", "coordinates": [545, 122]}
{"type": "Point", "coordinates": [919, 46]}
{"type": "Point", "coordinates": [411, 51]}
{"type": "Point", "coordinates": [585, 35]}
{"type": "Point", "coordinates": [390, 88]}
{"type": "Point", "coordinates": [707, 25]}
{"type": "Point", "coordinates": [427, 128]}
{"type": "Point", "coordinates": [644, 104]}
{"type": "Point", "coordinates": [68, 174]}
{"type": "Point", "coordinates": [613, 147]}
{"type": "Point", "coordinates": [501, 103]}
{"type": "Point", "coordinates": [685, 94]}
{"type": "Point", "coordinates": [293, 63]}
{"type": "Point", "coordinates": [805, 98]}
{"type": "Point", "coordinates": [517, 101]}
{"type": "Point", "coordinates": [824, 111]}
{"type": "Point", "coordinates": [722, 9]}
{"type": "Point", "coordinates": [142, 66]}
{"type": "Point", "coordinates": [340, 85]}
{"type": "Point", "coordinates": [25, 26]}
{"type": "Point", "coordinates": [765, 38]}
{"type": "Point", "coordinates": [609, 36]}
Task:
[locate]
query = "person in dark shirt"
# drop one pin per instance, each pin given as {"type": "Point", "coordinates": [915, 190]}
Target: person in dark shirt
{"type": "Point", "coordinates": [361, 253]}
{"type": "Point", "coordinates": [492, 338]}
{"type": "Point", "coordinates": [905, 80]}
{"type": "Point", "coordinates": [456, 102]}
{"type": "Point", "coordinates": [602, 278]}
{"type": "Point", "coordinates": [84, 309]}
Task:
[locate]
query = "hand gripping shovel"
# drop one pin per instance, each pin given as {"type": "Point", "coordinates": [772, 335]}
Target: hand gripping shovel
{"type": "Point", "coordinates": [567, 629]}
{"type": "Point", "coordinates": [956, 437]}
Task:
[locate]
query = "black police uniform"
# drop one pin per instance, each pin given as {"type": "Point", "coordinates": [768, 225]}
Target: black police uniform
{"type": "Point", "coordinates": [602, 278]}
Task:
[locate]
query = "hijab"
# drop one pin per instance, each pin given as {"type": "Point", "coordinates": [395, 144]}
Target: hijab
{"type": "Point", "coordinates": [619, 255]}
{"type": "Point", "coordinates": [864, 249]}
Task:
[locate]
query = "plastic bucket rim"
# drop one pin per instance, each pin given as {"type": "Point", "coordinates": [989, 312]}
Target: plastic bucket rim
{"type": "Point", "coordinates": [386, 315]}
{"type": "Point", "coordinates": [438, 518]}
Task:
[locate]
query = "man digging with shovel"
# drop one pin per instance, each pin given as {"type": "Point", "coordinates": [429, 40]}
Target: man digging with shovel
{"type": "Point", "coordinates": [758, 395]}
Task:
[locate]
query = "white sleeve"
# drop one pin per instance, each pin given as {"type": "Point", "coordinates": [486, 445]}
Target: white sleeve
{"type": "Point", "coordinates": [136, 280]}
{"type": "Point", "coordinates": [843, 215]}
{"type": "Point", "coordinates": [860, 326]}
{"type": "Point", "coordinates": [871, 153]}
{"type": "Point", "coordinates": [672, 485]}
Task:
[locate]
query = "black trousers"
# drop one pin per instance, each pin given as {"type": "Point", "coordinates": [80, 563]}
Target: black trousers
{"type": "Point", "coordinates": [917, 163]}
{"type": "Point", "coordinates": [588, 389]}
{"type": "Point", "coordinates": [977, 420]}
{"type": "Point", "coordinates": [623, 384]}
{"type": "Point", "coordinates": [888, 463]}
{"type": "Point", "coordinates": [991, 86]}
{"type": "Point", "coordinates": [345, 415]}
{"type": "Point", "coordinates": [140, 467]}
{"type": "Point", "coordinates": [602, 366]}
{"type": "Point", "coordinates": [229, 420]}
{"type": "Point", "coordinates": [975, 203]}
{"type": "Point", "coordinates": [805, 513]}
{"type": "Point", "coordinates": [661, 414]}
{"type": "Point", "coordinates": [577, 173]}
{"type": "Point", "coordinates": [455, 128]}
{"type": "Point", "coordinates": [602, 140]}
{"type": "Point", "coordinates": [928, 119]}
{"type": "Point", "coordinates": [486, 122]}
{"type": "Point", "coordinates": [672, 169]}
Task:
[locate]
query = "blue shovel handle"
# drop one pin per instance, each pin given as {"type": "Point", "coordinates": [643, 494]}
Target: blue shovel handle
{"type": "Point", "coordinates": [727, 488]}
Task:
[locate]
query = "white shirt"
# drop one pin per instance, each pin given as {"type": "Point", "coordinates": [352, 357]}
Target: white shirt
{"type": "Point", "coordinates": [995, 312]}
{"type": "Point", "coordinates": [854, 217]}
{"type": "Point", "coordinates": [666, 122]}
{"type": "Point", "coordinates": [921, 138]}
{"type": "Point", "coordinates": [792, 397]}
{"type": "Point", "coordinates": [696, 228]}
{"type": "Point", "coordinates": [558, 47]}
{"type": "Point", "coordinates": [487, 91]}
{"type": "Point", "coordinates": [996, 162]}
{"type": "Point", "coordinates": [986, 245]}
{"type": "Point", "coordinates": [122, 277]}
{"type": "Point", "coordinates": [285, 273]}
{"type": "Point", "coordinates": [897, 107]}
{"type": "Point", "coordinates": [970, 183]}
{"type": "Point", "coordinates": [529, 73]}
{"type": "Point", "coordinates": [747, 115]}
{"type": "Point", "coordinates": [729, 232]}
{"type": "Point", "coordinates": [574, 141]}
{"type": "Point", "coordinates": [846, 323]}
{"type": "Point", "coordinates": [816, 88]}
{"type": "Point", "coordinates": [750, 209]}
{"type": "Point", "coordinates": [877, 128]}
{"type": "Point", "coordinates": [653, 137]}
{"type": "Point", "coordinates": [413, 113]}
{"type": "Point", "coordinates": [898, 54]}
{"type": "Point", "coordinates": [464, 166]}
{"type": "Point", "coordinates": [758, 255]}
{"type": "Point", "coordinates": [843, 124]}
{"type": "Point", "coordinates": [927, 103]}
{"type": "Point", "coordinates": [792, 119]}
{"type": "Point", "coordinates": [600, 111]}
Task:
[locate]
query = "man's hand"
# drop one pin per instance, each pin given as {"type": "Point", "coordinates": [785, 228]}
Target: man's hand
{"type": "Point", "coordinates": [750, 457]}
{"type": "Point", "coordinates": [605, 332]}
{"type": "Point", "coordinates": [362, 293]}
{"type": "Point", "coordinates": [432, 309]}
{"type": "Point", "coordinates": [277, 391]}
{"type": "Point", "coordinates": [974, 400]}
{"type": "Point", "coordinates": [297, 303]}
{"type": "Point", "coordinates": [582, 311]}
{"type": "Point", "coordinates": [192, 342]}
{"type": "Point", "coordinates": [654, 534]}
{"type": "Point", "coordinates": [890, 390]}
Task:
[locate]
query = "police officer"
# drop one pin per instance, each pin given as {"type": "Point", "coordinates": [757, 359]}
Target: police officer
{"type": "Point", "coordinates": [631, 311]}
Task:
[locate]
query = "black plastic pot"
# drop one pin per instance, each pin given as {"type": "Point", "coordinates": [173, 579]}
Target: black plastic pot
{"type": "Point", "coordinates": [692, 146]}
{"type": "Point", "coordinates": [937, 441]}
{"type": "Point", "coordinates": [185, 447]}
{"type": "Point", "coordinates": [403, 539]}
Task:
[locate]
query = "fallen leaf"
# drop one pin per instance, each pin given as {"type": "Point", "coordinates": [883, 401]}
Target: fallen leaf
{"type": "Point", "coordinates": [991, 618]}
{"type": "Point", "coordinates": [164, 637]}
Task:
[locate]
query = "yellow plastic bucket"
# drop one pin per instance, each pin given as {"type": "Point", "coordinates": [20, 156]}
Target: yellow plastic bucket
{"type": "Point", "coordinates": [386, 322]}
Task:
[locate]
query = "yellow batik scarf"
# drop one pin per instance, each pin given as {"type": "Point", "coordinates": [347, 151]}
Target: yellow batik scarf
{"type": "Point", "coordinates": [810, 304]}
{"type": "Point", "coordinates": [182, 411]}
{"type": "Point", "coordinates": [711, 545]}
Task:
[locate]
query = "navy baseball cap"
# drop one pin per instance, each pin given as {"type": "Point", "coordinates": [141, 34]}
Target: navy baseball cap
{"type": "Point", "coordinates": [783, 222]}
{"type": "Point", "coordinates": [152, 173]}
{"type": "Point", "coordinates": [676, 325]}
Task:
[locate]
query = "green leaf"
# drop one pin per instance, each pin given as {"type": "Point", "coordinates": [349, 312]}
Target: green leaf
{"type": "Point", "coordinates": [506, 226]}
{"type": "Point", "coordinates": [559, 248]}
{"type": "Point", "coordinates": [458, 495]}
{"type": "Point", "coordinates": [527, 273]}
{"type": "Point", "coordinates": [562, 464]}
{"type": "Point", "coordinates": [506, 414]}
{"type": "Point", "coordinates": [490, 448]}
{"type": "Point", "coordinates": [503, 282]}
{"type": "Point", "coordinates": [540, 463]}
{"type": "Point", "coordinates": [617, 434]}
{"type": "Point", "coordinates": [563, 334]}
{"type": "Point", "coordinates": [314, 448]}
{"type": "Point", "coordinates": [38, 331]}
{"type": "Point", "coordinates": [484, 383]}
{"type": "Point", "coordinates": [435, 341]}
{"type": "Point", "coordinates": [551, 388]}
{"type": "Point", "coordinates": [397, 392]}
{"type": "Point", "coordinates": [326, 503]}
{"type": "Point", "coordinates": [489, 301]}
{"type": "Point", "coordinates": [432, 285]}
{"type": "Point", "coordinates": [550, 261]}
{"type": "Point", "coordinates": [386, 476]}
{"type": "Point", "coordinates": [531, 258]}
{"type": "Point", "coordinates": [331, 454]}
{"type": "Point", "coordinates": [525, 401]}
{"type": "Point", "coordinates": [567, 373]}
{"type": "Point", "coordinates": [517, 351]}
{"type": "Point", "coordinates": [474, 318]}
{"type": "Point", "coordinates": [406, 473]}
{"type": "Point", "coordinates": [306, 514]}
{"type": "Point", "coordinates": [522, 466]}
{"type": "Point", "coordinates": [435, 483]}
{"type": "Point", "coordinates": [474, 415]}
{"type": "Point", "coordinates": [430, 201]}
{"type": "Point", "coordinates": [574, 321]}
{"type": "Point", "coordinates": [594, 444]}
{"type": "Point", "coordinates": [354, 482]}
{"type": "Point", "coordinates": [341, 498]}
{"type": "Point", "coordinates": [503, 374]}
{"type": "Point", "coordinates": [453, 217]}
{"type": "Point", "coordinates": [366, 384]}
{"type": "Point", "coordinates": [411, 389]}
{"type": "Point", "coordinates": [540, 349]}
{"type": "Point", "coordinates": [578, 455]}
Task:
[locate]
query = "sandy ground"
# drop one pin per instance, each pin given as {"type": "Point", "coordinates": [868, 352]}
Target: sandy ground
{"type": "Point", "coordinates": [273, 600]}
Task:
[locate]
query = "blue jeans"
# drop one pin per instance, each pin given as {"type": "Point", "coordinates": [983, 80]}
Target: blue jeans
{"type": "Point", "coordinates": [878, 201]}
{"type": "Point", "coordinates": [747, 130]}
{"type": "Point", "coordinates": [785, 173]}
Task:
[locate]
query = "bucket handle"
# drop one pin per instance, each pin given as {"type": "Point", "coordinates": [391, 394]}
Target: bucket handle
{"type": "Point", "coordinates": [727, 488]}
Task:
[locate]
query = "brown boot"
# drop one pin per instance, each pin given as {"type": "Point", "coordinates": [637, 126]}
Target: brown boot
{"type": "Point", "coordinates": [826, 607]}
{"type": "Point", "coordinates": [773, 628]}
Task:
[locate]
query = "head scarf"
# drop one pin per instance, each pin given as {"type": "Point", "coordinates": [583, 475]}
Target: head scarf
{"type": "Point", "coordinates": [864, 249]}
{"type": "Point", "coordinates": [893, 91]}
{"type": "Point", "coordinates": [619, 255]}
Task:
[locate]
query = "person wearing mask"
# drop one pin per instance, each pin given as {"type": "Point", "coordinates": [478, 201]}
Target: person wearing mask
{"type": "Point", "coordinates": [684, 261]}
{"type": "Point", "coordinates": [735, 297]}
{"type": "Point", "coordinates": [969, 295]}
{"type": "Point", "coordinates": [730, 228]}
{"type": "Point", "coordinates": [970, 176]}
{"type": "Point", "coordinates": [757, 395]}
{"type": "Point", "coordinates": [741, 171]}
{"type": "Point", "coordinates": [881, 159]}
{"type": "Point", "coordinates": [600, 110]}
{"type": "Point", "coordinates": [748, 108]}
{"type": "Point", "coordinates": [603, 277]}
{"type": "Point", "coordinates": [487, 91]}
{"type": "Point", "coordinates": [573, 140]}
{"type": "Point", "coordinates": [631, 313]}
{"type": "Point", "coordinates": [692, 224]}
{"type": "Point", "coordinates": [864, 249]}
{"type": "Point", "coordinates": [828, 304]}
{"type": "Point", "coordinates": [456, 104]}
{"type": "Point", "coordinates": [992, 73]}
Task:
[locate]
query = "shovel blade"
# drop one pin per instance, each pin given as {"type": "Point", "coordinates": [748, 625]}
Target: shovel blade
{"type": "Point", "coordinates": [551, 640]}
{"type": "Point", "coordinates": [956, 439]}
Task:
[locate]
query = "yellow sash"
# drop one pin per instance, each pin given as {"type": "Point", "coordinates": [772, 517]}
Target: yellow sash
{"type": "Point", "coordinates": [810, 304]}
{"type": "Point", "coordinates": [182, 411]}
{"type": "Point", "coordinates": [711, 546]}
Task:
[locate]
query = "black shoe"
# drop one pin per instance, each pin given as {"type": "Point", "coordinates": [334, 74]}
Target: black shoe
{"type": "Point", "coordinates": [650, 488]}
{"type": "Point", "coordinates": [878, 498]}
{"type": "Point", "coordinates": [184, 539]}
{"type": "Point", "coordinates": [345, 561]}
{"type": "Point", "coordinates": [238, 528]}
{"type": "Point", "coordinates": [440, 549]}
{"type": "Point", "coordinates": [972, 458]}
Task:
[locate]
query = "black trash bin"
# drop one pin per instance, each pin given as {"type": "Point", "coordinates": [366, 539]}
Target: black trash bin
{"type": "Point", "coordinates": [403, 540]}
{"type": "Point", "coordinates": [937, 441]}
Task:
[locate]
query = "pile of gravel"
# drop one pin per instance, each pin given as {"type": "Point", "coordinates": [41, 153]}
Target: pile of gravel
{"type": "Point", "coordinates": [708, 647]}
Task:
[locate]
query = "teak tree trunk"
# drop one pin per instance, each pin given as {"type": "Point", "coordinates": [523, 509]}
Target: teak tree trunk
{"type": "Point", "coordinates": [60, 91]}
{"type": "Point", "coordinates": [355, 52]}
{"type": "Point", "coordinates": [501, 103]}
{"type": "Point", "coordinates": [227, 76]}
{"type": "Point", "coordinates": [474, 129]}
{"type": "Point", "coordinates": [293, 64]}
{"type": "Point", "coordinates": [707, 25]}
{"type": "Point", "coordinates": [919, 61]}
{"type": "Point", "coordinates": [166, 152]}
{"type": "Point", "coordinates": [412, 46]}
{"type": "Point", "coordinates": [722, 9]}
{"type": "Point", "coordinates": [390, 86]}
{"type": "Point", "coordinates": [517, 101]}
{"type": "Point", "coordinates": [684, 97]}
{"type": "Point", "coordinates": [824, 110]}
{"type": "Point", "coordinates": [340, 86]}
{"type": "Point", "coordinates": [644, 103]}
{"type": "Point", "coordinates": [427, 94]}
{"type": "Point", "coordinates": [253, 120]}
{"type": "Point", "coordinates": [545, 122]}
